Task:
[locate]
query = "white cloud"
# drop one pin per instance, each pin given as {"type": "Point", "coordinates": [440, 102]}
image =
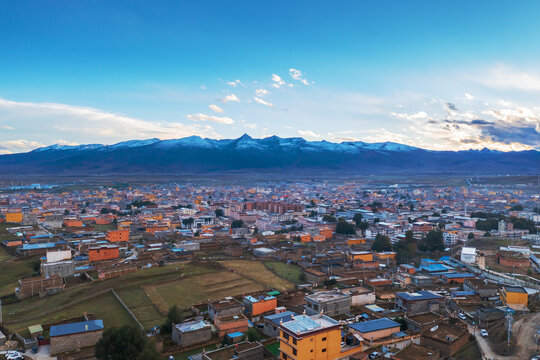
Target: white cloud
{"type": "Point", "coordinates": [415, 116]}
{"type": "Point", "coordinates": [229, 98]}
{"type": "Point", "coordinates": [17, 146]}
{"type": "Point", "coordinates": [44, 123]}
{"type": "Point", "coordinates": [235, 83]}
{"type": "Point", "coordinates": [262, 102]}
{"type": "Point", "coordinates": [203, 87]}
{"type": "Point", "coordinates": [216, 108]}
{"type": "Point", "coordinates": [261, 92]}
{"type": "Point", "coordinates": [469, 96]}
{"type": "Point", "coordinates": [298, 76]}
{"type": "Point", "coordinates": [309, 134]}
{"type": "Point", "coordinates": [217, 119]}
{"type": "Point", "coordinates": [507, 78]}
{"type": "Point", "coordinates": [251, 126]}
{"type": "Point", "coordinates": [7, 127]}
{"type": "Point", "coordinates": [278, 82]}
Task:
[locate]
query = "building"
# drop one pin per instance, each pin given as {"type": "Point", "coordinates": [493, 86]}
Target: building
{"type": "Point", "coordinates": [416, 352]}
{"type": "Point", "coordinates": [228, 306]}
{"type": "Point", "coordinates": [241, 351]}
{"type": "Point", "coordinates": [230, 324]}
{"type": "Point", "coordinates": [331, 303]}
{"type": "Point", "coordinates": [456, 278]}
{"type": "Point", "coordinates": [59, 255]}
{"type": "Point", "coordinates": [468, 255]}
{"type": "Point", "coordinates": [419, 302]}
{"type": "Point", "coordinates": [450, 238]}
{"type": "Point", "coordinates": [39, 286]}
{"type": "Point", "coordinates": [256, 305]}
{"type": "Point", "coordinates": [360, 295]}
{"type": "Point", "coordinates": [360, 256]}
{"type": "Point", "coordinates": [192, 333]}
{"type": "Point", "coordinates": [117, 235]}
{"type": "Point", "coordinates": [375, 329]}
{"type": "Point", "coordinates": [448, 339]}
{"type": "Point", "coordinates": [104, 252]}
{"type": "Point", "coordinates": [317, 337]}
{"type": "Point", "coordinates": [515, 297]}
{"type": "Point", "coordinates": [14, 217]}
{"type": "Point", "coordinates": [420, 323]}
{"type": "Point", "coordinates": [315, 276]}
{"type": "Point", "coordinates": [75, 336]}
{"type": "Point", "coordinates": [271, 322]}
{"type": "Point", "coordinates": [482, 287]}
{"type": "Point", "coordinates": [60, 268]}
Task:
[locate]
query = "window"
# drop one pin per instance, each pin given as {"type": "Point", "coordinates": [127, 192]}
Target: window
{"type": "Point", "coordinates": [294, 352]}
{"type": "Point", "coordinates": [294, 341]}
{"type": "Point", "coordinates": [323, 339]}
{"type": "Point", "coordinates": [283, 356]}
{"type": "Point", "coordinates": [311, 350]}
{"type": "Point", "coordinates": [324, 350]}
{"type": "Point", "coordinates": [286, 336]}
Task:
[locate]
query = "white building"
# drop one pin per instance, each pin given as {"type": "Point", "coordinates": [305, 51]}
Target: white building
{"type": "Point", "coordinates": [468, 255]}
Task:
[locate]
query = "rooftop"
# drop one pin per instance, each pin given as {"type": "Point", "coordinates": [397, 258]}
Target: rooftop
{"type": "Point", "coordinates": [191, 326]}
{"type": "Point", "coordinates": [374, 325]}
{"type": "Point", "coordinates": [419, 295]}
{"type": "Point", "coordinates": [76, 328]}
{"type": "Point", "coordinates": [515, 289]}
{"type": "Point", "coordinates": [327, 296]}
{"type": "Point", "coordinates": [303, 324]}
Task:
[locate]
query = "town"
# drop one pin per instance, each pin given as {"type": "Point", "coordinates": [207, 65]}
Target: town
{"type": "Point", "coordinates": [289, 270]}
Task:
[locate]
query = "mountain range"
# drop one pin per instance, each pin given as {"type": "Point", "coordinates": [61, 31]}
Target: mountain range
{"type": "Point", "coordinates": [196, 155]}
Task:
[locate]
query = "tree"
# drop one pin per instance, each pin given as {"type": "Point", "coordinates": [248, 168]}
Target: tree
{"type": "Point", "coordinates": [470, 236]}
{"type": "Point", "coordinates": [436, 214]}
{"type": "Point", "coordinates": [329, 218]}
{"type": "Point", "coordinates": [302, 276]}
{"type": "Point", "coordinates": [487, 234]}
{"type": "Point", "coordinates": [255, 231]}
{"type": "Point", "coordinates": [66, 212]}
{"type": "Point", "coordinates": [188, 222]}
{"type": "Point", "coordinates": [125, 343]}
{"type": "Point", "coordinates": [237, 224]}
{"type": "Point", "coordinates": [104, 211]}
{"type": "Point", "coordinates": [343, 227]}
{"type": "Point", "coordinates": [517, 207]}
{"type": "Point", "coordinates": [523, 224]}
{"type": "Point", "coordinates": [219, 212]}
{"type": "Point", "coordinates": [381, 243]}
{"type": "Point", "coordinates": [174, 316]}
{"type": "Point", "coordinates": [357, 218]}
{"type": "Point", "coordinates": [432, 241]}
{"type": "Point", "coordinates": [83, 211]}
{"type": "Point", "coordinates": [253, 335]}
{"type": "Point", "coordinates": [363, 226]}
{"type": "Point", "coordinates": [487, 224]}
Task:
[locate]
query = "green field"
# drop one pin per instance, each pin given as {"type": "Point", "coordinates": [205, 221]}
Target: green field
{"type": "Point", "coordinates": [290, 272]}
{"type": "Point", "coordinates": [256, 271]}
{"type": "Point", "coordinates": [200, 288]}
{"type": "Point", "coordinates": [141, 306]}
{"type": "Point", "coordinates": [104, 307]}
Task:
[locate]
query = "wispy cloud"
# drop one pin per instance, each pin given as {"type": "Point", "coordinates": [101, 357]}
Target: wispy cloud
{"type": "Point", "coordinates": [308, 134]}
{"type": "Point", "coordinates": [230, 98]}
{"type": "Point", "coordinates": [216, 108]}
{"type": "Point", "coordinates": [261, 92]}
{"type": "Point", "coordinates": [277, 81]}
{"type": "Point", "coordinates": [262, 102]}
{"type": "Point", "coordinates": [16, 146]}
{"type": "Point", "coordinates": [508, 78]}
{"type": "Point", "coordinates": [298, 76]}
{"type": "Point", "coordinates": [217, 119]}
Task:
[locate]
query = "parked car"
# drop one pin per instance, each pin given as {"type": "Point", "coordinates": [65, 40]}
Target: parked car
{"type": "Point", "coordinates": [14, 355]}
{"type": "Point", "coordinates": [374, 355]}
{"type": "Point", "coordinates": [462, 316]}
{"type": "Point", "coordinates": [484, 333]}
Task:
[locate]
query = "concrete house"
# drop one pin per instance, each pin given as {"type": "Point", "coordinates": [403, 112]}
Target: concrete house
{"type": "Point", "coordinates": [226, 307]}
{"type": "Point", "coordinates": [75, 336]}
{"type": "Point", "coordinates": [330, 303]}
{"type": "Point", "coordinates": [192, 332]}
{"type": "Point", "coordinates": [419, 302]}
{"type": "Point", "coordinates": [375, 329]}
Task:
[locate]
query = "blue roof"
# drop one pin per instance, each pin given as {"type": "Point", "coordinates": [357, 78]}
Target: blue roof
{"type": "Point", "coordinates": [284, 316]}
{"type": "Point", "coordinates": [435, 267]}
{"type": "Point", "coordinates": [419, 295]}
{"type": "Point", "coordinates": [463, 293]}
{"type": "Point", "coordinates": [76, 328]}
{"type": "Point", "coordinates": [429, 261]}
{"type": "Point", "coordinates": [458, 275]}
{"type": "Point", "coordinates": [38, 246]}
{"type": "Point", "coordinates": [374, 325]}
{"type": "Point", "coordinates": [235, 334]}
{"type": "Point", "coordinates": [444, 258]}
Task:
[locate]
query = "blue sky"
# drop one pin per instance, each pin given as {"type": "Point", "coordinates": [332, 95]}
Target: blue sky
{"type": "Point", "coordinates": [440, 75]}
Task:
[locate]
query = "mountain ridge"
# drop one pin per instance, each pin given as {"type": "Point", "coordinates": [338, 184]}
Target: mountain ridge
{"type": "Point", "coordinates": [197, 155]}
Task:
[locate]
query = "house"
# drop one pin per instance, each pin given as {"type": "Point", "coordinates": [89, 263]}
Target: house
{"type": "Point", "coordinates": [240, 351]}
{"type": "Point", "coordinates": [360, 295]}
{"type": "Point", "coordinates": [14, 217]}
{"type": "Point", "coordinates": [39, 286]}
{"type": "Point", "coordinates": [60, 268]}
{"type": "Point", "coordinates": [468, 255]}
{"type": "Point", "coordinates": [256, 305]}
{"type": "Point", "coordinates": [315, 276]}
{"type": "Point", "coordinates": [482, 287]}
{"type": "Point", "coordinates": [515, 297]}
{"type": "Point", "coordinates": [192, 332]}
{"type": "Point", "coordinates": [75, 336]}
{"type": "Point", "coordinates": [419, 302]}
{"type": "Point", "coordinates": [422, 322]}
{"type": "Point", "coordinates": [331, 303]}
{"type": "Point", "coordinates": [225, 307]}
{"type": "Point", "coordinates": [271, 322]}
{"type": "Point", "coordinates": [375, 329]}
{"type": "Point", "coordinates": [117, 235]}
{"type": "Point", "coordinates": [448, 339]}
{"type": "Point", "coordinates": [416, 352]}
{"type": "Point", "coordinates": [456, 278]}
{"type": "Point", "coordinates": [103, 252]}
{"type": "Point", "coordinates": [231, 323]}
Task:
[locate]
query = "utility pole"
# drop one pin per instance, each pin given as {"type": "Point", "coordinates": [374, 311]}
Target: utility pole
{"type": "Point", "coordinates": [509, 321]}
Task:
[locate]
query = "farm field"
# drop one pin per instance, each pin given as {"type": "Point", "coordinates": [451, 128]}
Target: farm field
{"type": "Point", "coordinates": [104, 307]}
{"type": "Point", "coordinates": [289, 272]}
{"type": "Point", "coordinates": [256, 271]}
{"type": "Point", "coordinates": [141, 306]}
{"type": "Point", "coordinates": [11, 269]}
{"type": "Point", "coordinates": [200, 288]}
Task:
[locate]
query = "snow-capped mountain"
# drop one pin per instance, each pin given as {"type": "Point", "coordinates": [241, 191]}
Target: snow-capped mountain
{"type": "Point", "coordinates": [196, 155]}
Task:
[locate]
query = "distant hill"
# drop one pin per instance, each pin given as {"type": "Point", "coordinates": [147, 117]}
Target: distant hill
{"type": "Point", "coordinates": [195, 155]}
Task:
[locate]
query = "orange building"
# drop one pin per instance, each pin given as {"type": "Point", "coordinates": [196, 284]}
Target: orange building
{"type": "Point", "coordinates": [118, 235]}
{"type": "Point", "coordinates": [356, 241]}
{"type": "Point", "coordinates": [14, 217]}
{"type": "Point", "coordinates": [256, 305]}
{"type": "Point", "coordinates": [104, 252]}
{"type": "Point", "coordinates": [230, 324]}
{"type": "Point", "coordinates": [514, 296]}
{"type": "Point", "coordinates": [305, 237]}
{"type": "Point", "coordinates": [360, 256]}
{"type": "Point", "coordinates": [319, 238]}
{"type": "Point", "coordinates": [326, 232]}
{"type": "Point", "coordinates": [383, 256]}
{"type": "Point", "coordinates": [73, 223]}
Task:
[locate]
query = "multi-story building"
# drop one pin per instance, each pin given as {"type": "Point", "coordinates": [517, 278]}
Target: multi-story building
{"type": "Point", "coordinates": [331, 303]}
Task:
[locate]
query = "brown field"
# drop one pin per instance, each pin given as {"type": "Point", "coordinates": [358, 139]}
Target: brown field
{"type": "Point", "coordinates": [256, 271]}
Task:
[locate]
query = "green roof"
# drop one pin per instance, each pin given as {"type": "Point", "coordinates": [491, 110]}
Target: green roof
{"type": "Point", "coordinates": [273, 293]}
{"type": "Point", "coordinates": [35, 329]}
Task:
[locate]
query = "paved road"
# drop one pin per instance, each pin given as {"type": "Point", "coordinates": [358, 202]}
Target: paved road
{"type": "Point", "coordinates": [524, 329]}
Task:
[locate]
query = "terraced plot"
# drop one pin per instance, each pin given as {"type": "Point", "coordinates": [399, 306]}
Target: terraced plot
{"type": "Point", "coordinates": [257, 272]}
